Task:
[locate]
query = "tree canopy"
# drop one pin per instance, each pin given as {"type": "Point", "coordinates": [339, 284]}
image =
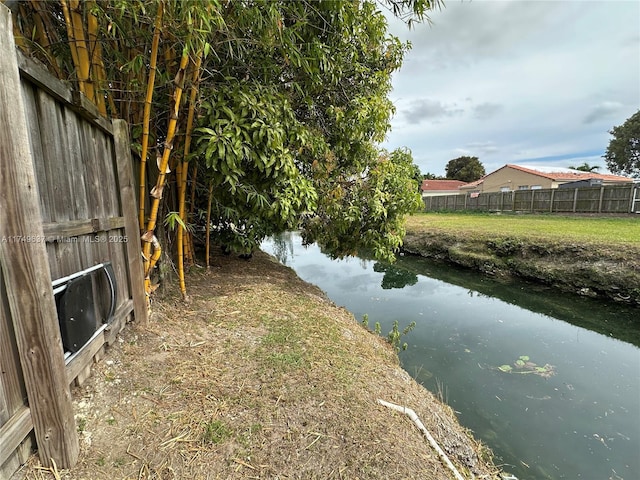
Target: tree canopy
{"type": "Point", "coordinates": [623, 153]}
{"type": "Point", "coordinates": [432, 176]}
{"type": "Point", "coordinates": [465, 169]}
{"type": "Point", "coordinates": [283, 108]}
{"type": "Point", "coordinates": [585, 167]}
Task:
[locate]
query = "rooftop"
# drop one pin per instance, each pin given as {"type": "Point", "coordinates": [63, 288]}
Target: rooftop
{"type": "Point", "coordinates": [440, 185]}
{"type": "Point", "coordinates": [561, 173]}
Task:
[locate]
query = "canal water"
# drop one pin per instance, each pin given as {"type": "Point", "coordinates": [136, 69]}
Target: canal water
{"type": "Point", "coordinates": [551, 382]}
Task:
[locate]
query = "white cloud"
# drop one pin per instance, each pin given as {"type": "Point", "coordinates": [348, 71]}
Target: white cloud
{"type": "Point", "coordinates": [509, 81]}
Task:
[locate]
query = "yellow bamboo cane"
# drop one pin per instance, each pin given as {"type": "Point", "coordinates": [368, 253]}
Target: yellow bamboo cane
{"type": "Point", "coordinates": [41, 22]}
{"type": "Point", "coordinates": [98, 74]}
{"type": "Point", "coordinates": [73, 45]}
{"type": "Point", "coordinates": [180, 235]}
{"type": "Point", "coordinates": [147, 114]}
{"type": "Point", "coordinates": [84, 63]}
{"type": "Point", "coordinates": [182, 176]}
{"type": "Point", "coordinates": [156, 192]}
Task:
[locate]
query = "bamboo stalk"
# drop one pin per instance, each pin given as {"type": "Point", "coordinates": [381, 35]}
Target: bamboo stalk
{"type": "Point", "coordinates": [73, 46]}
{"type": "Point", "coordinates": [157, 251]}
{"type": "Point", "coordinates": [194, 178]}
{"type": "Point", "coordinates": [97, 67]}
{"type": "Point", "coordinates": [182, 175]}
{"type": "Point", "coordinates": [189, 252]}
{"type": "Point", "coordinates": [180, 234]}
{"type": "Point", "coordinates": [147, 114]}
{"type": "Point", "coordinates": [156, 192]}
{"type": "Point", "coordinates": [84, 63]}
{"type": "Point", "coordinates": [190, 257]}
{"type": "Point", "coordinates": [43, 28]}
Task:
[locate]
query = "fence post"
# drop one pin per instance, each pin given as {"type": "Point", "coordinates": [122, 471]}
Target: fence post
{"type": "Point", "coordinates": [575, 199]}
{"type": "Point", "coordinates": [553, 190]}
{"type": "Point", "coordinates": [632, 196]}
{"type": "Point", "coordinates": [26, 272]}
{"type": "Point", "coordinates": [129, 211]}
{"type": "Point", "coordinates": [533, 195]}
{"type": "Point", "coordinates": [600, 200]}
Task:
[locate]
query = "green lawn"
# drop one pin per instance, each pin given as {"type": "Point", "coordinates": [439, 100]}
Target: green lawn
{"type": "Point", "coordinates": [601, 230]}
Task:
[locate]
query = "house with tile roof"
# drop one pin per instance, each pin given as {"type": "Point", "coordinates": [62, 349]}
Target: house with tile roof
{"type": "Point", "coordinates": [520, 177]}
{"type": "Point", "coordinates": [434, 188]}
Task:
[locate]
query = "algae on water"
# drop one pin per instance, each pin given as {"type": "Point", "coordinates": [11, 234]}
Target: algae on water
{"type": "Point", "coordinates": [524, 366]}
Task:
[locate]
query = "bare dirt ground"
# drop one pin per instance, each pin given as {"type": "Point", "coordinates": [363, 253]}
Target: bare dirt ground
{"type": "Point", "coordinates": [258, 377]}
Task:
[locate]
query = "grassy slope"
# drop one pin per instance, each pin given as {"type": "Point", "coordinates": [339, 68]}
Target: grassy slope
{"type": "Point", "coordinates": [259, 376]}
{"type": "Point", "coordinates": [595, 256]}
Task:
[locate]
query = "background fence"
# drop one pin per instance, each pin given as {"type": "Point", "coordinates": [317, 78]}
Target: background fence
{"type": "Point", "coordinates": [606, 199]}
{"type": "Point", "coordinates": [67, 202]}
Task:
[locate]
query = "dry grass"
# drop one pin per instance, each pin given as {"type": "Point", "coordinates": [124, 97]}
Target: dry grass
{"type": "Point", "coordinates": [258, 377]}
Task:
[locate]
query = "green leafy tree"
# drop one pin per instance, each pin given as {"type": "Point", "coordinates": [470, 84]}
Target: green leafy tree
{"type": "Point", "coordinates": [411, 11]}
{"type": "Point", "coordinates": [289, 101]}
{"type": "Point", "coordinates": [623, 153]}
{"type": "Point", "coordinates": [431, 176]}
{"type": "Point", "coordinates": [417, 176]}
{"type": "Point", "coordinates": [585, 167]}
{"type": "Point", "coordinates": [249, 145]}
{"type": "Point", "coordinates": [305, 146]}
{"type": "Point", "coordinates": [366, 211]}
{"type": "Point", "coordinates": [465, 169]}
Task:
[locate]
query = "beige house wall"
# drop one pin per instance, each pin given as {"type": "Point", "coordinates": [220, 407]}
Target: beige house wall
{"type": "Point", "coordinates": [514, 179]}
{"type": "Point", "coordinates": [439, 193]}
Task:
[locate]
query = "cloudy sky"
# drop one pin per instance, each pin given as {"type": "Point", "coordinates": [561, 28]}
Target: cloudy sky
{"type": "Point", "coordinates": [527, 82]}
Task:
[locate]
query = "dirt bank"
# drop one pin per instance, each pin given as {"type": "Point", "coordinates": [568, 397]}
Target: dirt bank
{"type": "Point", "coordinates": [600, 271]}
{"type": "Point", "coordinates": [259, 377]}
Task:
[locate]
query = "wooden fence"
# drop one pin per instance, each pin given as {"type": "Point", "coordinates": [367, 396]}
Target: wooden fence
{"type": "Point", "coordinates": [606, 199]}
{"type": "Point", "coordinates": [67, 202]}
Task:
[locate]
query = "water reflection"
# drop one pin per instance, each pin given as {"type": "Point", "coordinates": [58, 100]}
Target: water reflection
{"type": "Point", "coordinates": [614, 320]}
{"type": "Point", "coordinates": [395, 277]}
{"type": "Point", "coordinates": [578, 417]}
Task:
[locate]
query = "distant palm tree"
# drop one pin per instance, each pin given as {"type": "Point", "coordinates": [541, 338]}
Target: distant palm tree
{"type": "Point", "coordinates": [585, 167]}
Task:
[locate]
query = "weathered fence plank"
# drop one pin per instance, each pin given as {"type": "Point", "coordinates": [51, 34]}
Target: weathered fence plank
{"type": "Point", "coordinates": [14, 428]}
{"type": "Point", "coordinates": [606, 199]}
{"type": "Point", "coordinates": [67, 202]}
{"type": "Point", "coordinates": [74, 228]}
{"type": "Point", "coordinates": [39, 76]}
{"type": "Point", "coordinates": [129, 209]}
{"type": "Point", "coordinates": [32, 307]}
{"type": "Point", "coordinates": [13, 433]}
